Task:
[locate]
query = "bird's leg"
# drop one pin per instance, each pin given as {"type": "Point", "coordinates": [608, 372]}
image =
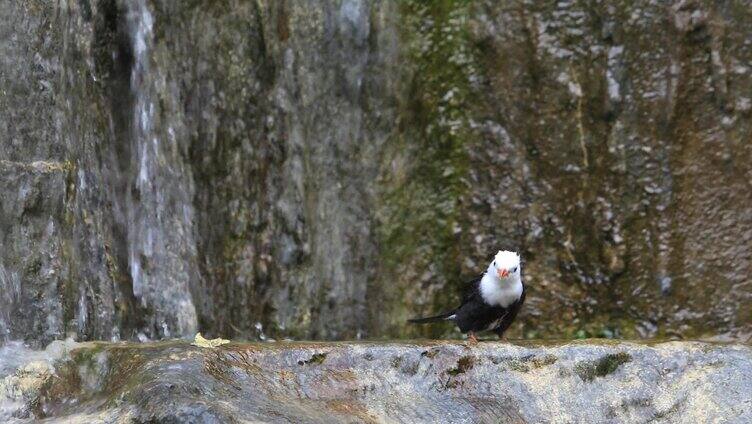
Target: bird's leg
{"type": "Point", "coordinates": [472, 341]}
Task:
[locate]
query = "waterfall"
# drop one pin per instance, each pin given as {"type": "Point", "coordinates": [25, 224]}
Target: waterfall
{"type": "Point", "coordinates": [158, 230]}
{"type": "Point", "coordinates": [141, 23]}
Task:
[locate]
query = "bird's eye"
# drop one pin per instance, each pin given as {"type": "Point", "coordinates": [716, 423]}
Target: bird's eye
{"type": "Point", "coordinates": [494, 263]}
{"type": "Point", "coordinates": [513, 270]}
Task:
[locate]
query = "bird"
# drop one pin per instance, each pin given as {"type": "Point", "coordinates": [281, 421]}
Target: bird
{"type": "Point", "coordinates": [491, 301]}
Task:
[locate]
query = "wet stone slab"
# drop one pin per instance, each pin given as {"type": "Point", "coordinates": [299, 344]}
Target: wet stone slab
{"type": "Point", "coordinates": [416, 382]}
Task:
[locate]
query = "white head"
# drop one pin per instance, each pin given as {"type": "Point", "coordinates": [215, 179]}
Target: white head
{"type": "Point", "coordinates": [506, 266]}
{"type": "Point", "coordinates": [502, 284]}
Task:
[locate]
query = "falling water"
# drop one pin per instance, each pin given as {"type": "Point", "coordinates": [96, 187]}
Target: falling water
{"type": "Point", "coordinates": [7, 294]}
{"type": "Point", "coordinates": [141, 23]}
{"type": "Point", "coordinates": [22, 371]}
{"type": "Point", "coordinates": [158, 228]}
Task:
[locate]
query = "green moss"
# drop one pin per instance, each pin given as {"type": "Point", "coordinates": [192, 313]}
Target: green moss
{"type": "Point", "coordinates": [541, 361]}
{"type": "Point", "coordinates": [34, 266]}
{"type": "Point", "coordinates": [530, 362]}
{"type": "Point", "coordinates": [464, 364]}
{"type": "Point", "coordinates": [430, 353]}
{"type": "Point", "coordinates": [85, 356]}
{"type": "Point", "coordinates": [316, 359]}
{"type": "Point", "coordinates": [422, 212]}
{"type": "Point", "coordinates": [518, 366]}
{"type": "Point", "coordinates": [589, 370]}
{"type": "Point", "coordinates": [611, 362]}
{"type": "Point", "coordinates": [396, 361]}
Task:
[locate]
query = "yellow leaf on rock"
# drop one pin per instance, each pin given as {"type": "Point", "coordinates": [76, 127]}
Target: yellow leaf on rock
{"type": "Point", "coordinates": [200, 341]}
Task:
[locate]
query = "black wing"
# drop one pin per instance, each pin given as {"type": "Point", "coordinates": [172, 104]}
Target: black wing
{"type": "Point", "coordinates": [470, 292]}
{"type": "Point", "coordinates": [471, 288]}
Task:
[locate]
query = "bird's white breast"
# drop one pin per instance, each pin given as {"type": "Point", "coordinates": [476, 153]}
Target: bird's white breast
{"type": "Point", "coordinates": [500, 292]}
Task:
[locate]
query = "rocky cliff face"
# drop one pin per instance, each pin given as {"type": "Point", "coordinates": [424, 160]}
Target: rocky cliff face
{"type": "Point", "coordinates": [326, 170]}
{"type": "Point", "coordinates": [411, 382]}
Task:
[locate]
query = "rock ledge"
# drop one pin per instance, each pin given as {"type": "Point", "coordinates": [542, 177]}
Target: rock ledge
{"type": "Point", "coordinates": [588, 381]}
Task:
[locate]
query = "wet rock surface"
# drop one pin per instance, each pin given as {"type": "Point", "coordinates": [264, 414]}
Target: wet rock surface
{"type": "Point", "coordinates": [416, 382]}
{"type": "Point", "coordinates": [326, 169]}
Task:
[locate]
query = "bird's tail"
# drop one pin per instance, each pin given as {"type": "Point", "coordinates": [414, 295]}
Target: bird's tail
{"type": "Point", "coordinates": [435, 318]}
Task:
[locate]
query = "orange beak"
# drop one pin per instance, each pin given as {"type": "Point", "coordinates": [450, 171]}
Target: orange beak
{"type": "Point", "coordinates": [503, 273]}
